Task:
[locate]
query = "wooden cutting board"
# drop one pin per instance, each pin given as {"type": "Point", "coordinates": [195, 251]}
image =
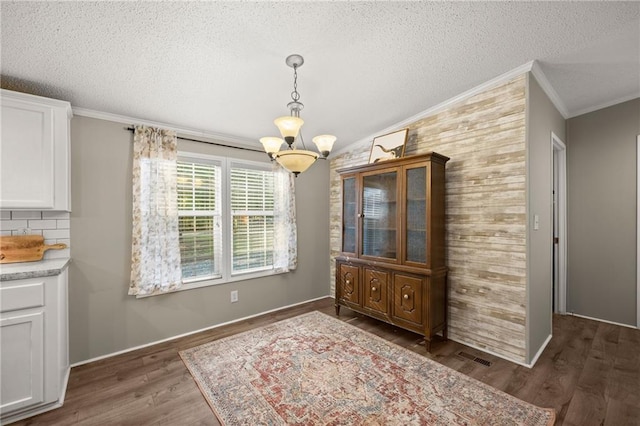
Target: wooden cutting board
{"type": "Point", "coordinates": [25, 248]}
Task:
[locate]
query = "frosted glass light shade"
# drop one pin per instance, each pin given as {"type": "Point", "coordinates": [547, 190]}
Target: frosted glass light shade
{"type": "Point", "coordinates": [324, 143]}
{"type": "Point", "coordinates": [271, 144]}
{"type": "Point", "coordinates": [296, 160]}
{"type": "Point", "coordinates": [289, 127]}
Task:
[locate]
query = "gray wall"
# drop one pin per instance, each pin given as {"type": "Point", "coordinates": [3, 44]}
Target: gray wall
{"type": "Point", "coordinates": [543, 118]}
{"type": "Point", "coordinates": [601, 197]}
{"type": "Point", "coordinates": [103, 319]}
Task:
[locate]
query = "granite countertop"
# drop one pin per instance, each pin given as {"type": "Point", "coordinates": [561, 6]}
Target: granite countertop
{"type": "Point", "coordinates": [42, 268]}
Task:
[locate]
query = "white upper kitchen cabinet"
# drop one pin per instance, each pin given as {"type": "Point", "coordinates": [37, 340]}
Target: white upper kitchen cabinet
{"type": "Point", "coordinates": [34, 153]}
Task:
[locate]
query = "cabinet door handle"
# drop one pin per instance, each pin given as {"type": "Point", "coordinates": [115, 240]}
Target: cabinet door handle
{"type": "Point", "coordinates": [405, 297]}
{"type": "Point", "coordinates": [347, 282]}
{"type": "Point", "coordinates": [373, 289]}
{"type": "Point", "coordinates": [360, 215]}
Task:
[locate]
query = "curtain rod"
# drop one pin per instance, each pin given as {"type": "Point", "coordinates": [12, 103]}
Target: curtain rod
{"type": "Point", "coordinates": [131, 129]}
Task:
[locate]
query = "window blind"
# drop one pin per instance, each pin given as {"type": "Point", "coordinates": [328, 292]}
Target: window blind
{"type": "Point", "coordinates": [199, 189]}
{"type": "Point", "coordinates": [252, 216]}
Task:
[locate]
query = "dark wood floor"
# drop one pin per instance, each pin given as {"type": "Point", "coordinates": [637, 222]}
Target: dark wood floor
{"type": "Point", "coordinates": [590, 373]}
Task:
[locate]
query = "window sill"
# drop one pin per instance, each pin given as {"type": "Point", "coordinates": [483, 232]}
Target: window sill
{"type": "Point", "coordinates": [206, 282]}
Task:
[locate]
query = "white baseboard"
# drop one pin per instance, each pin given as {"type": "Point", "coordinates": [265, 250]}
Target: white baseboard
{"type": "Point", "coordinates": [542, 348]}
{"type": "Point", "coordinates": [34, 412]}
{"type": "Point", "coordinates": [506, 358]}
{"type": "Point", "coordinates": [30, 413]}
{"type": "Point", "coordinates": [601, 320]}
{"type": "Point", "coordinates": [65, 383]}
{"type": "Point", "coordinates": [146, 345]}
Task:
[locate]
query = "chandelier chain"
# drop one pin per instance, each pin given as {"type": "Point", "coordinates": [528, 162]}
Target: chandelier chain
{"type": "Point", "coordinates": [295, 95]}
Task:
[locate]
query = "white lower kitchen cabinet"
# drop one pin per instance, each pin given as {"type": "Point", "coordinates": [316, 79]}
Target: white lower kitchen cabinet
{"type": "Point", "coordinates": [34, 350]}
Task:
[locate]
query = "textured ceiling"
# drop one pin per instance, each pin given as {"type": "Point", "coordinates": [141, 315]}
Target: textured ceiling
{"type": "Point", "coordinates": [218, 67]}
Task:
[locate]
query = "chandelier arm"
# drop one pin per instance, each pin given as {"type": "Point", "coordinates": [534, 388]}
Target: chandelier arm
{"type": "Point", "coordinates": [302, 140]}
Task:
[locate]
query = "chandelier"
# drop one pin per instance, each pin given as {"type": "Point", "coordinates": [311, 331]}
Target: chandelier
{"type": "Point", "coordinates": [292, 159]}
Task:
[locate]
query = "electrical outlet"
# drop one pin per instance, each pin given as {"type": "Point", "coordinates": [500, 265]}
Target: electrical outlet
{"type": "Point", "coordinates": [234, 296]}
{"type": "Point", "coordinates": [23, 231]}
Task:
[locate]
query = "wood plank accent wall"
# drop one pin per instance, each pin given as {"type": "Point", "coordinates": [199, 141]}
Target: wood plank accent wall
{"type": "Point", "coordinates": [485, 137]}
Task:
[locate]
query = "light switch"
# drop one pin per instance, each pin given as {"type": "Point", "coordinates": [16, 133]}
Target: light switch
{"type": "Point", "coordinates": [536, 222]}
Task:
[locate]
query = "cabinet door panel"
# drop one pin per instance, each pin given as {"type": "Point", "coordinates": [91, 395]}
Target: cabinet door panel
{"type": "Point", "coordinates": [22, 365]}
{"type": "Point", "coordinates": [27, 156]}
{"type": "Point", "coordinates": [375, 290]}
{"type": "Point", "coordinates": [415, 241]}
{"type": "Point", "coordinates": [349, 283]}
{"type": "Point", "coordinates": [407, 298]}
{"type": "Point", "coordinates": [349, 215]}
{"type": "Point", "coordinates": [379, 215]}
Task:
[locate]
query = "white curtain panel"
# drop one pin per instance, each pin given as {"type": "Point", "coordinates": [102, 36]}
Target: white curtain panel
{"type": "Point", "coordinates": [155, 256]}
{"type": "Point", "coordinates": [285, 231]}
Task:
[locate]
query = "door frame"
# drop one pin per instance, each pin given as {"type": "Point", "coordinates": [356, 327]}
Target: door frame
{"type": "Point", "coordinates": [559, 183]}
{"type": "Point", "coordinates": [638, 233]}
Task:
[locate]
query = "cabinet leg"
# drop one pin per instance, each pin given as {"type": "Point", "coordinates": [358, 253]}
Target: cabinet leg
{"type": "Point", "coordinates": [337, 309]}
{"type": "Point", "coordinates": [427, 344]}
{"type": "Point", "coordinates": [444, 334]}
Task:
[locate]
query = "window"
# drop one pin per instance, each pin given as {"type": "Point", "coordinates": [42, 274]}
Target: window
{"type": "Point", "coordinates": [199, 210]}
{"type": "Point", "coordinates": [252, 212]}
{"type": "Point", "coordinates": [226, 210]}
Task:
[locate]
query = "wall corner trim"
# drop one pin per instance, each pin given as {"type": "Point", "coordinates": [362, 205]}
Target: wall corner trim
{"type": "Point", "coordinates": [548, 89]}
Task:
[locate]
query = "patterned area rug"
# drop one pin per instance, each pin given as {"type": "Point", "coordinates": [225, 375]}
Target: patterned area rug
{"type": "Point", "coordinates": [317, 370]}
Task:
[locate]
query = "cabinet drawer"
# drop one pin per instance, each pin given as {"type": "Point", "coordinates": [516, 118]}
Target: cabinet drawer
{"type": "Point", "coordinates": [21, 296]}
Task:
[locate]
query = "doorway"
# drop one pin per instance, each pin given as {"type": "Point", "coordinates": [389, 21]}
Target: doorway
{"type": "Point", "coordinates": [559, 239]}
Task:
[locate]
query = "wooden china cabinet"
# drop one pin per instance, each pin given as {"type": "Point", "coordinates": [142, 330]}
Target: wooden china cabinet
{"type": "Point", "coordinates": [392, 263]}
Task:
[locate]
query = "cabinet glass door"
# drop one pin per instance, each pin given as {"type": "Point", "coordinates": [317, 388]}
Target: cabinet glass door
{"type": "Point", "coordinates": [416, 211]}
{"type": "Point", "coordinates": [349, 215]}
{"type": "Point", "coordinates": [379, 194]}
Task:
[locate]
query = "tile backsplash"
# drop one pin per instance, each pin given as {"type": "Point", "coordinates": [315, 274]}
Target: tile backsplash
{"type": "Point", "coordinates": [53, 226]}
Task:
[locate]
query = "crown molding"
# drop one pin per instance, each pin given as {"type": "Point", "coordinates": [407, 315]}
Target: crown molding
{"type": "Point", "coordinates": [28, 97]}
{"type": "Point", "coordinates": [548, 89]}
{"type": "Point", "coordinates": [182, 131]}
{"type": "Point", "coordinates": [605, 105]}
{"type": "Point", "coordinates": [494, 82]}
